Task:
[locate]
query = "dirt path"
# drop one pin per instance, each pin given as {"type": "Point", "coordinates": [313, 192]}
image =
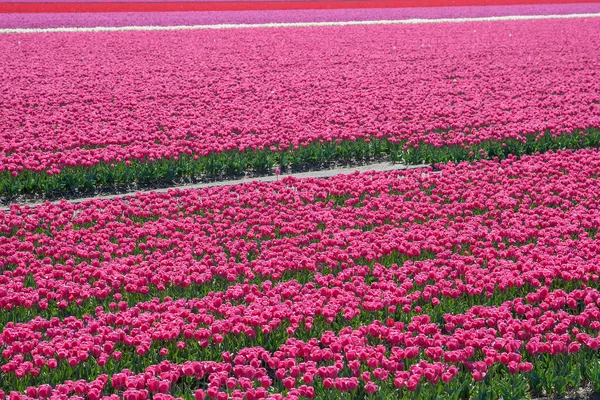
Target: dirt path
{"type": "Point", "coordinates": [326, 173]}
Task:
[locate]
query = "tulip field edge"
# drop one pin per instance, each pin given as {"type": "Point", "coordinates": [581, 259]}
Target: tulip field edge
{"type": "Point", "coordinates": [115, 192]}
{"type": "Point", "coordinates": [220, 166]}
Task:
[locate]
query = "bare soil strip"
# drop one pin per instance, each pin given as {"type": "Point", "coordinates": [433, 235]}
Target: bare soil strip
{"type": "Point", "coordinates": [324, 173]}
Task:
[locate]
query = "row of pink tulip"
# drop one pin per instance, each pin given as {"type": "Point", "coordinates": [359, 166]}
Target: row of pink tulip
{"type": "Point", "coordinates": [80, 101]}
{"type": "Point", "coordinates": [490, 221]}
{"type": "Point", "coordinates": [515, 335]}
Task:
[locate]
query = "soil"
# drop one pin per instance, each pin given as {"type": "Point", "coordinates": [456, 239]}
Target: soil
{"type": "Point", "coordinates": [583, 393]}
{"type": "Point", "coordinates": [117, 190]}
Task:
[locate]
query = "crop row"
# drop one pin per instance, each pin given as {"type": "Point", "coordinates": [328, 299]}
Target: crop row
{"type": "Point", "coordinates": [234, 162]}
{"type": "Point", "coordinates": [248, 233]}
{"type": "Point", "coordinates": [99, 108]}
{"type": "Point", "coordinates": [543, 344]}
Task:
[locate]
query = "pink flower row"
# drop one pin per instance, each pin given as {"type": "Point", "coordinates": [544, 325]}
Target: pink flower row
{"type": "Point", "coordinates": [409, 355]}
{"type": "Point", "coordinates": [503, 224]}
{"type": "Point", "coordinates": [81, 99]}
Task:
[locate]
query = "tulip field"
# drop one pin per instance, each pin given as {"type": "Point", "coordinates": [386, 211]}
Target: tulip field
{"type": "Point", "coordinates": [476, 281]}
{"type": "Point", "coordinates": [474, 275]}
{"type": "Point", "coordinates": [126, 106]}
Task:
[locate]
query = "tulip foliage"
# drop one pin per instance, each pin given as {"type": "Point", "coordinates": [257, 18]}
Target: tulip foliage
{"type": "Point", "coordinates": [479, 280]}
{"type": "Point", "coordinates": [79, 111]}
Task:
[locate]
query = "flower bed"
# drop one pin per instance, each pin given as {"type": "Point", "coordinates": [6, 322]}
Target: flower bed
{"type": "Point", "coordinates": [478, 280]}
{"type": "Point", "coordinates": [89, 109]}
{"type": "Point", "coordinates": [87, 6]}
{"type": "Point", "coordinates": [59, 20]}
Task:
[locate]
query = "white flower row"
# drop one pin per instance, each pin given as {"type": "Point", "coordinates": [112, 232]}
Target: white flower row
{"type": "Point", "coordinates": [300, 24]}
